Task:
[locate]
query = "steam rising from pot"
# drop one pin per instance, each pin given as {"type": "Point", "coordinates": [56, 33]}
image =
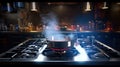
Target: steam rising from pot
{"type": "Point", "coordinates": [50, 20]}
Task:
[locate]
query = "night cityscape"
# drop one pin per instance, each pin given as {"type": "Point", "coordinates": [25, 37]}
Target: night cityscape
{"type": "Point", "coordinates": [69, 32]}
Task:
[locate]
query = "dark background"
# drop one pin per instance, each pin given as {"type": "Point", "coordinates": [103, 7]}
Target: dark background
{"type": "Point", "coordinates": [69, 13]}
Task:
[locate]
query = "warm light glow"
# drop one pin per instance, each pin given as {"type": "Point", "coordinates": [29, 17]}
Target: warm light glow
{"type": "Point", "coordinates": [8, 7]}
{"type": "Point", "coordinates": [104, 7]}
{"type": "Point", "coordinates": [34, 31]}
{"type": "Point", "coordinates": [61, 6]}
{"type": "Point", "coordinates": [33, 6]}
{"type": "Point", "coordinates": [88, 7]}
{"type": "Point", "coordinates": [118, 3]}
{"type": "Point", "coordinates": [49, 3]}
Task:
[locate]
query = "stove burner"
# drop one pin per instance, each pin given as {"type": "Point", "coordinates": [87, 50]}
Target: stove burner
{"type": "Point", "coordinates": [27, 55]}
{"type": "Point", "coordinates": [98, 56]}
{"type": "Point", "coordinates": [68, 53]}
{"type": "Point", "coordinates": [35, 48]}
